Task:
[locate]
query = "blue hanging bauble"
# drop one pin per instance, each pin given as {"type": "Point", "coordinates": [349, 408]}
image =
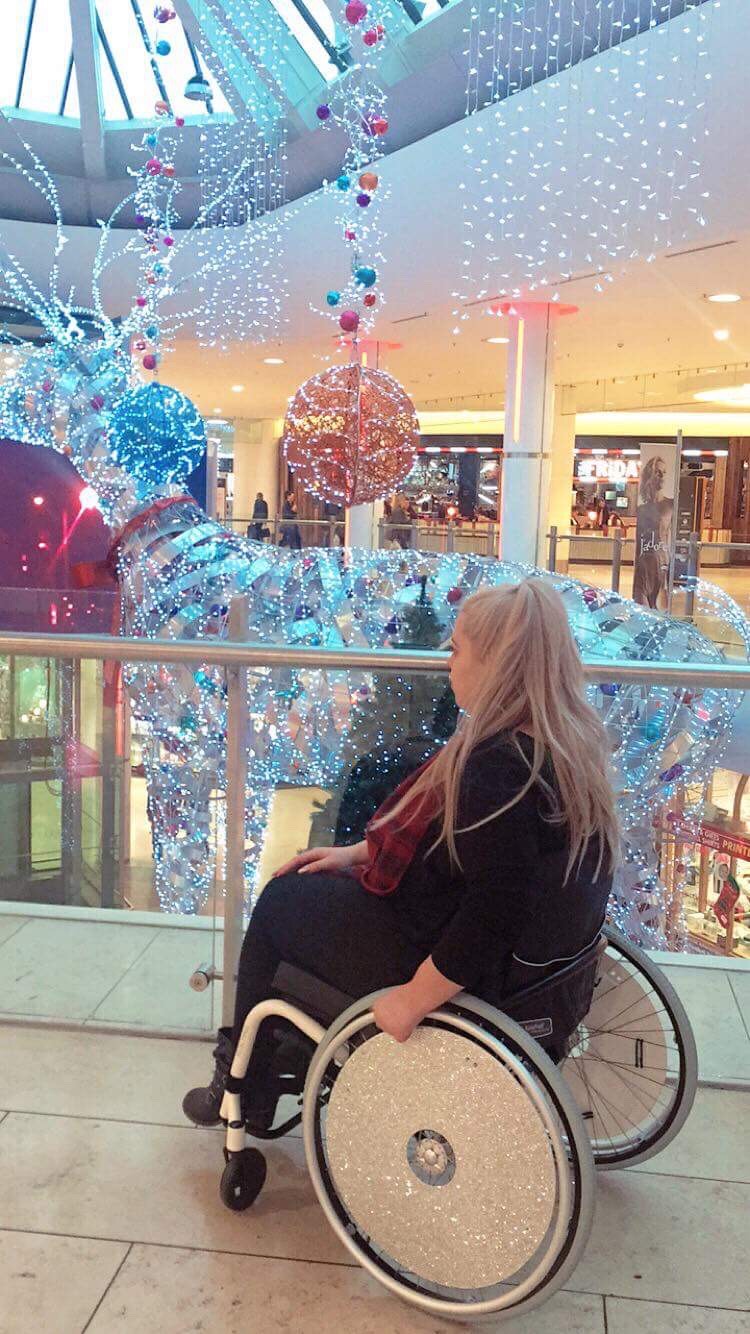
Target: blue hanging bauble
{"type": "Point", "coordinates": [152, 331]}
{"type": "Point", "coordinates": [151, 140]}
{"type": "Point", "coordinates": [343, 183]}
{"type": "Point", "coordinates": [157, 435]}
{"type": "Point", "coordinates": [163, 48]}
{"type": "Point", "coordinates": [333, 297]}
{"type": "Point", "coordinates": [365, 276]}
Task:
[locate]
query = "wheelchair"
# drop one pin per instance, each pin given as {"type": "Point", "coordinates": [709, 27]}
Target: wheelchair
{"type": "Point", "coordinates": [458, 1168]}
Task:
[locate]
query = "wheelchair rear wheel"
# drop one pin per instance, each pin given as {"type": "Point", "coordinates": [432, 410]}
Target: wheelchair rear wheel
{"type": "Point", "coordinates": [454, 1167]}
{"type": "Point", "coordinates": [633, 1067]}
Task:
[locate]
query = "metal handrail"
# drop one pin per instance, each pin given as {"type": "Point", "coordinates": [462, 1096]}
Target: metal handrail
{"type": "Point", "coordinates": [681, 542]}
{"type": "Point", "coordinates": [222, 653]}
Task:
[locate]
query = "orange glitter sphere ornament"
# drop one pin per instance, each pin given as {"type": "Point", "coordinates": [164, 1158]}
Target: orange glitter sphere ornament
{"type": "Point", "coordinates": [350, 434]}
{"type": "Point", "coordinates": [369, 181]}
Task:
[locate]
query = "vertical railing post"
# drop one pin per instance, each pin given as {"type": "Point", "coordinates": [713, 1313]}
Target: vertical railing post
{"type": "Point", "coordinates": [413, 536]}
{"type": "Point", "coordinates": [693, 565]}
{"type": "Point", "coordinates": [450, 538]}
{"type": "Point", "coordinates": [616, 559]}
{"type": "Point", "coordinates": [552, 552]}
{"type": "Point", "coordinates": [236, 783]}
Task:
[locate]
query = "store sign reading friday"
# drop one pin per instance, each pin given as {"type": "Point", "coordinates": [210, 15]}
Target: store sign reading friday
{"type": "Point", "coordinates": [607, 470]}
{"type": "Point", "coordinates": [711, 836]}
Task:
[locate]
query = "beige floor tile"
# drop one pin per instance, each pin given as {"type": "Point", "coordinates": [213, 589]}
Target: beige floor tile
{"type": "Point", "coordinates": [98, 1075]}
{"type": "Point", "coordinates": [153, 1184]}
{"type": "Point", "coordinates": [64, 969]}
{"type": "Point", "coordinates": [626, 1317]}
{"type": "Point", "coordinates": [10, 925]}
{"type": "Point", "coordinates": [155, 992]}
{"type": "Point", "coordinates": [721, 1038]}
{"type": "Point", "coordinates": [52, 1283]}
{"type": "Point", "coordinates": [657, 1237]}
{"type": "Point", "coordinates": [713, 1141]}
{"type": "Point", "coordinates": [178, 1292]}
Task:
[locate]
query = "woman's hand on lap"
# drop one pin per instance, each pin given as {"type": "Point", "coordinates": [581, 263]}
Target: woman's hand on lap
{"type": "Point", "coordinates": [322, 859]}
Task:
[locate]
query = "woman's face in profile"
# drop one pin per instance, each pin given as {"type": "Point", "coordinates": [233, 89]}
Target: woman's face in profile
{"type": "Point", "coordinates": [465, 668]}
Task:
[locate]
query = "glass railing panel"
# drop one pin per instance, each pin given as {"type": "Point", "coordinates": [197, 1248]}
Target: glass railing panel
{"type": "Point", "coordinates": [99, 940]}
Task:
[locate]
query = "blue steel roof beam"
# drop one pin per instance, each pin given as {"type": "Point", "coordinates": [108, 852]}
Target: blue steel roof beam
{"type": "Point", "coordinates": [113, 68]}
{"type": "Point", "coordinates": [247, 94]}
{"type": "Point", "coordinates": [88, 79]}
{"type": "Point", "coordinates": [66, 84]}
{"type": "Point", "coordinates": [342, 59]}
{"type": "Point", "coordinates": [301, 76]}
{"type": "Point", "coordinates": [25, 53]}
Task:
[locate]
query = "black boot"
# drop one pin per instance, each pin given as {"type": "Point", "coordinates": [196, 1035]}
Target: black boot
{"type": "Point", "coordinates": [202, 1105]}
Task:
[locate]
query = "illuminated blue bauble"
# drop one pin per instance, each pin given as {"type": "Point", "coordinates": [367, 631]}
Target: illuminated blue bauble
{"type": "Point", "coordinates": [333, 297]}
{"type": "Point", "coordinates": [365, 276]}
{"type": "Point", "coordinates": [156, 434]}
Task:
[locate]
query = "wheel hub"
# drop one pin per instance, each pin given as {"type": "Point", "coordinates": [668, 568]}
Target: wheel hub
{"type": "Point", "coordinates": [431, 1158]}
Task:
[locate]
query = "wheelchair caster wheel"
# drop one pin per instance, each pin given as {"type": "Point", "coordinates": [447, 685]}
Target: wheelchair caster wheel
{"type": "Point", "coordinates": [242, 1179]}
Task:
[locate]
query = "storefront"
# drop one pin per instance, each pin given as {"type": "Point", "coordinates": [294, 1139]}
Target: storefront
{"type": "Point", "coordinates": [706, 867]}
{"type": "Point", "coordinates": [605, 495]}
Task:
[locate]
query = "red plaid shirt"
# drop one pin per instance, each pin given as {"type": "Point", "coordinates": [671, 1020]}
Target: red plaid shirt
{"type": "Point", "coordinates": [391, 847]}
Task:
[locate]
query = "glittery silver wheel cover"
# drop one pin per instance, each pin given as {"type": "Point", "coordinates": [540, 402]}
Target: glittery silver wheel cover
{"type": "Point", "coordinates": [497, 1174]}
{"type": "Point", "coordinates": [618, 1069]}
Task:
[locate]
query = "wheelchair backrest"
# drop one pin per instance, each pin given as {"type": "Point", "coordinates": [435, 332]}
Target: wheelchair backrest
{"type": "Point", "coordinates": [552, 1008]}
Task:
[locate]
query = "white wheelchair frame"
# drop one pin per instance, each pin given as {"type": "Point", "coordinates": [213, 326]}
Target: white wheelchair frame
{"type": "Point", "coordinates": [517, 1146]}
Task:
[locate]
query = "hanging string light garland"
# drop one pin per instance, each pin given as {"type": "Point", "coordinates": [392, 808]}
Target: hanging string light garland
{"type": "Point", "coordinates": [585, 139]}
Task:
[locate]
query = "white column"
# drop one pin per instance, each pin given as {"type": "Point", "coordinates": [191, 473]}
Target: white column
{"type": "Point", "coordinates": [528, 429]}
{"type": "Point", "coordinates": [359, 525]}
{"type": "Point", "coordinates": [256, 465]}
{"type": "Point", "coordinates": [562, 468]}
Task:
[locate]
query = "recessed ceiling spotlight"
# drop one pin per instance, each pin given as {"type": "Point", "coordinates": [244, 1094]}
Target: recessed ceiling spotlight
{"type": "Point", "coordinates": [724, 298]}
{"type": "Point", "coordinates": [237, 388]}
{"type": "Point", "coordinates": [273, 361]}
{"type": "Point", "coordinates": [218, 409]}
{"type": "Point", "coordinates": [721, 335]}
{"type": "Point", "coordinates": [498, 340]}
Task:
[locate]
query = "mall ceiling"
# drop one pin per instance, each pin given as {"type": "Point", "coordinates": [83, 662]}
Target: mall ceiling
{"type": "Point", "coordinates": [652, 318]}
{"type": "Point", "coordinates": [79, 80]}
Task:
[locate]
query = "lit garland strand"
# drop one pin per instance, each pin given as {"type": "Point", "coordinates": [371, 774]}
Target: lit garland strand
{"type": "Point", "coordinates": [584, 141]}
{"type": "Point", "coordinates": [357, 106]}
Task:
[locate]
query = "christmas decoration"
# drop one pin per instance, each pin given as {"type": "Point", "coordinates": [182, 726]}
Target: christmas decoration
{"type": "Point", "coordinates": [545, 100]}
{"type": "Point", "coordinates": [350, 434]}
{"type": "Point", "coordinates": [156, 435]}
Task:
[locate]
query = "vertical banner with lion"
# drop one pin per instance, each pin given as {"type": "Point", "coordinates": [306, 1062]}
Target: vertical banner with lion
{"type": "Point", "coordinates": [656, 523]}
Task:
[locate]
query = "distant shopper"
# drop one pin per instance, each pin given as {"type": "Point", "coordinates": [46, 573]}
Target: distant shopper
{"type": "Point", "coordinates": [401, 525]}
{"type": "Point", "coordinates": [290, 533]}
{"type": "Point", "coordinates": [259, 519]}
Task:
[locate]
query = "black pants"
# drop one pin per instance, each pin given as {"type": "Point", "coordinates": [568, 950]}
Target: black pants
{"type": "Point", "coordinates": [329, 926]}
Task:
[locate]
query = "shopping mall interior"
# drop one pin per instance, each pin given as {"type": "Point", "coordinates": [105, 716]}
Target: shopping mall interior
{"type": "Point", "coordinates": [317, 318]}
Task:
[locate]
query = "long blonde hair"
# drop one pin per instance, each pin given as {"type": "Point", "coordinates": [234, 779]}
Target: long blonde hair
{"type": "Point", "coordinates": [533, 683]}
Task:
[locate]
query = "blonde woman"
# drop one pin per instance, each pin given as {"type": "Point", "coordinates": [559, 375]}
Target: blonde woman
{"type": "Point", "coordinates": [484, 870]}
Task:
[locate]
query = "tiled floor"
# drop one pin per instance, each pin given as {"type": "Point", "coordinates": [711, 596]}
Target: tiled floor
{"type": "Point", "coordinates": [110, 1218]}
{"type": "Point", "coordinates": [137, 976]}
